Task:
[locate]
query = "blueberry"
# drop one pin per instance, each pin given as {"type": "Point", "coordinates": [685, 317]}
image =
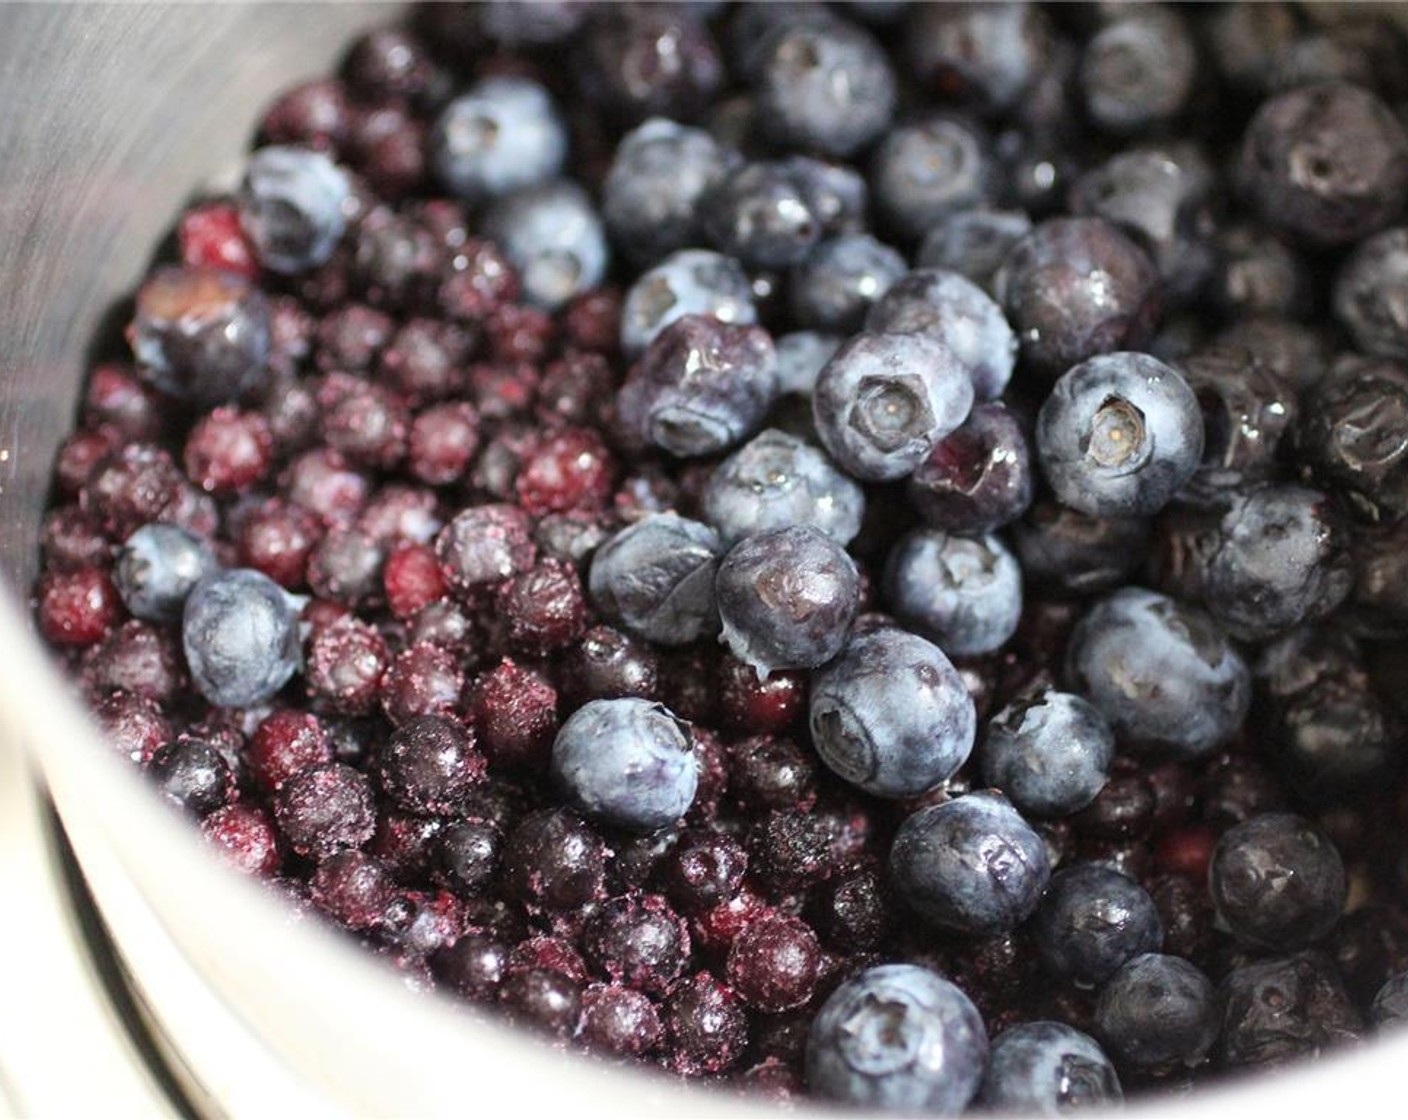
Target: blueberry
{"type": "Point", "coordinates": [1074, 288]}
{"type": "Point", "coordinates": [986, 55]}
{"type": "Point", "coordinates": [922, 171]}
{"type": "Point", "coordinates": [1120, 435]}
{"type": "Point", "coordinates": [1327, 163]}
{"type": "Point", "coordinates": [701, 386]}
{"type": "Point", "coordinates": [759, 214]}
{"type": "Point", "coordinates": [240, 631]}
{"type": "Point", "coordinates": [891, 714]}
{"type": "Point", "coordinates": [192, 774]}
{"type": "Point", "coordinates": [156, 568]}
{"type": "Point", "coordinates": [627, 763]}
{"type": "Point", "coordinates": [651, 195]}
{"type": "Point", "coordinates": [1072, 553]}
{"type": "Point", "coordinates": [787, 598]}
{"type": "Point", "coordinates": [1370, 294]}
{"type": "Point", "coordinates": [1138, 71]}
{"type": "Point", "coordinates": [1158, 1011]}
{"type": "Point", "coordinates": [775, 481]}
{"type": "Point", "coordinates": [1256, 273]}
{"type": "Point", "coordinates": [1277, 881]}
{"type": "Point", "coordinates": [639, 60]}
{"type": "Point", "coordinates": [800, 358]}
{"type": "Point", "coordinates": [956, 312]}
{"type": "Point", "coordinates": [1279, 559]}
{"type": "Point", "coordinates": [689, 282]}
{"type": "Point", "coordinates": [841, 279]}
{"type": "Point", "coordinates": [972, 243]}
{"type": "Point", "coordinates": [1050, 753]}
{"type": "Point", "coordinates": [1048, 1069]}
{"type": "Point", "coordinates": [429, 765]}
{"type": "Point", "coordinates": [884, 400]}
{"type": "Point", "coordinates": [1298, 353]}
{"type": "Point", "coordinates": [292, 207]}
{"type": "Point", "coordinates": [501, 136]}
{"type": "Point", "coordinates": [898, 1038]}
{"type": "Point", "coordinates": [1354, 436]}
{"type": "Point", "coordinates": [962, 593]}
{"type": "Point", "coordinates": [656, 577]}
{"type": "Point", "coordinates": [530, 23]}
{"type": "Point", "coordinates": [1093, 920]}
{"type": "Point", "coordinates": [823, 85]}
{"type": "Point", "coordinates": [201, 334]}
{"type": "Point", "coordinates": [971, 865]}
{"type": "Point", "coordinates": [1281, 1009]}
{"type": "Point", "coordinates": [835, 192]}
{"type": "Point", "coordinates": [1161, 672]}
{"type": "Point", "coordinates": [1390, 1006]}
{"type": "Point", "coordinates": [978, 477]}
{"type": "Point", "coordinates": [553, 237]}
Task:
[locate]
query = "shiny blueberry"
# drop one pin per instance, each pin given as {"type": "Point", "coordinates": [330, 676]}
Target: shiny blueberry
{"type": "Point", "coordinates": [553, 236]}
{"type": "Point", "coordinates": [962, 593]}
{"type": "Point", "coordinates": [973, 243]}
{"type": "Point", "coordinates": [1049, 753]}
{"type": "Point", "coordinates": [292, 207]}
{"type": "Point", "coordinates": [689, 282]}
{"type": "Point", "coordinates": [501, 136]}
{"type": "Point", "coordinates": [1073, 553]}
{"type": "Point", "coordinates": [986, 55]}
{"type": "Point", "coordinates": [923, 171]}
{"type": "Point", "coordinates": [1281, 1009]}
{"type": "Point", "coordinates": [1048, 1069]}
{"type": "Point", "coordinates": [840, 279]}
{"type": "Point", "coordinates": [156, 568]}
{"type": "Point", "coordinates": [1092, 920]}
{"type": "Point", "coordinates": [240, 632]}
{"type": "Point", "coordinates": [1157, 1011]}
{"type": "Point", "coordinates": [759, 214]}
{"type": "Point", "coordinates": [656, 577]}
{"type": "Point", "coordinates": [977, 478]}
{"type": "Point", "coordinates": [1354, 436]}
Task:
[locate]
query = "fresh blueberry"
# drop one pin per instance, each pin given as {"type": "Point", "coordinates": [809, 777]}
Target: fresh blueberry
{"type": "Point", "coordinates": [800, 358]}
{"type": "Point", "coordinates": [701, 386]}
{"type": "Point", "coordinates": [884, 400]}
{"type": "Point", "coordinates": [1327, 163]}
{"type": "Point", "coordinates": [971, 865]}
{"type": "Point", "coordinates": [1092, 920]}
{"type": "Point", "coordinates": [1138, 71]}
{"type": "Point", "coordinates": [1277, 881]}
{"type": "Point", "coordinates": [1074, 288]}
{"type": "Point", "coordinates": [1073, 553]}
{"type": "Point", "coordinates": [656, 577]}
{"type": "Point", "coordinates": [891, 714]}
{"type": "Point", "coordinates": [1297, 352]}
{"type": "Point", "coordinates": [292, 207]}
{"type": "Point", "coordinates": [1161, 672]}
{"type": "Point", "coordinates": [627, 763]}
{"type": "Point", "coordinates": [973, 243]}
{"type": "Point", "coordinates": [157, 567]}
{"type": "Point", "coordinates": [1120, 435]}
{"type": "Point", "coordinates": [240, 631]}
{"type": "Point", "coordinates": [642, 60]}
{"type": "Point", "coordinates": [978, 477]}
{"type": "Point", "coordinates": [1158, 1011]}
{"type": "Point", "coordinates": [552, 235]}
{"type": "Point", "coordinates": [689, 282]}
{"type": "Point", "coordinates": [1354, 436]}
{"type": "Point", "coordinates": [956, 312]}
{"type": "Point", "coordinates": [986, 55]}
{"type": "Point", "coordinates": [1048, 1069]}
{"type": "Point", "coordinates": [1050, 753]}
{"type": "Point", "coordinates": [825, 86]}
{"type": "Point", "coordinates": [759, 214]}
{"type": "Point", "coordinates": [841, 279]}
{"type": "Point", "coordinates": [651, 195]}
{"type": "Point", "coordinates": [962, 593]}
{"type": "Point", "coordinates": [835, 192]}
{"type": "Point", "coordinates": [898, 1038]}
{"type": "Point", "coordinates": [1283, 1009]}
{"type": "Point", "coordinates": [1370, 294]}
{"type": "Point", "coordinates": [1256, 273]}
{"type": "Point", "coordinates": [530, 23]}
{"type": "Point", "coordinates": [503, 135]}
{"type": "Point", "coordinates": [925, 170]}
{"type": "Point", "coordinates": [1390, 1006]}
{"type": "Point", "coordinates": [787, 598]}
{"type": "Point", "coordinates": [775, 481]}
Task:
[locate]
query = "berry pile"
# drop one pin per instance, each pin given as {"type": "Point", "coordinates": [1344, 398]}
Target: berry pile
{"type": "Point", "coordinates": [853, 550]}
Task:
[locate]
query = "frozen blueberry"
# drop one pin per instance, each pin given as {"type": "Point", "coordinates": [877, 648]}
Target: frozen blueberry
{"type": "Point", "coordinates": [1074, 288]}
{"type": "Point", "coordinates": [973, 243]}
{"type": "Point", "coordinates": [1390, 1006]}
{"type": "Point", "coordinates": [1371, 294]}
{"type": "Point", "coordinates": [651, 195]}
{"type": "Point", "coordinates": [292, 207]}
{"type": "Point", "coordinates": [1283, 1009]}
{"type": "Point", "coordinates": [923, 171]}
{"type": "Point", "coordinates": [1354, 436]}
{"type": "Point", "coordinates": [701, 386]}
{"type": "Point", "coordinates": [240, 632]}
{"type": "Point", "coordinates": [978, 477]}
{"type": "Point", "coordinates": [1158, 1011]}
{"type": "Point", "coordinates": [1048, 1069]}
{"type": "Point", "coordinates": [1050, 753]}
{"type": "Point", "coordinates": [430, 765]}
{"type": "Point", "coordinates": [891, 714]}
{"type": "Point", "coordinates": [1120, 435]}
{"type": "Point", "coordinates": [1161, 672]}
{"type": "Point", "coordinates": [956, 312]}
{"type": "Point", "coordinates": [971, 865]}
{"type": "Point", "coordinates": [986, 55]}
{"type": "Point", "coordinates": [962, 593]}
{"type": "Point", "coordinates": [1279, 559]}
{"type": "Point", "coordinates": [839, 281]}
{"type": "Point", "coordinates": [201, 334]}
{"type": "Point", "coordinates": [800, 358]}
{"type": "Point", "coordinates": [156, 568]}
{"type": "Point", "coordinates": [689, 282]}
{"type": "Point", "coordinates": [1277, 881]}
{"type": "Point", "coordinates": [759, 214]}
{"type": "Point", "coordinates": [656, 577]}
{"type": "Point", "coordinates": [776, 480]}
{"type": "Point", "coordinates": [504, 134]}
{"type": "Point", "coordinates": [787, 598]}
{"type": "Point", "coordinates": [1139, 69]}
{"type": "Point", "coordinates": [823, 85]}
{"type": "Point", "coordinates": [884, 400]}
{"type": "Point", "coordinates": [1326, 162]}
{"type": "Point", "coordinates": [898, 1038]}
{"type": "Point", "coordinates": [627, 763]}
{"type": "Point", "coordinates": [552, 235]}
{"type": "Point", "coordinates": [1093, 920]}
{"type": "Point", "coordinates": [192, 774]}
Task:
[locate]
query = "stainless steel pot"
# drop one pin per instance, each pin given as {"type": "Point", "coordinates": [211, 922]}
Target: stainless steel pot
{"type": "Point", "coordinates": [109, 117]}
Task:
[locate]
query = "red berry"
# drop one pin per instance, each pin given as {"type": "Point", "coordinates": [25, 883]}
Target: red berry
{"type": "Point", "coordinates": [211, 236]}
{"type": "Point", "coordinates": [286, 743]}
{"type": "Point", "coordinates": [412, 579]}
{"type": "Point", "coordinates": [229, 451]}
{"type": "Point", "coordinates": [245, 836]}
{"type": "Point", "coordinates": [515, 711]}
{"type": "Point", "coordinates": [78, 608]}
{"type": "Point", "coordinates": [443, 442]}
{"type": "Point", "coordinates": [1187, 851]}
{"type": "Point", "coordinates": [276, 539]}
{"type": "Point", "coordinates": [568, 471]}
{"type": "Point", "coordinates": [78, 456]}
{"type": "Point", "coordinates": [117, 399]}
